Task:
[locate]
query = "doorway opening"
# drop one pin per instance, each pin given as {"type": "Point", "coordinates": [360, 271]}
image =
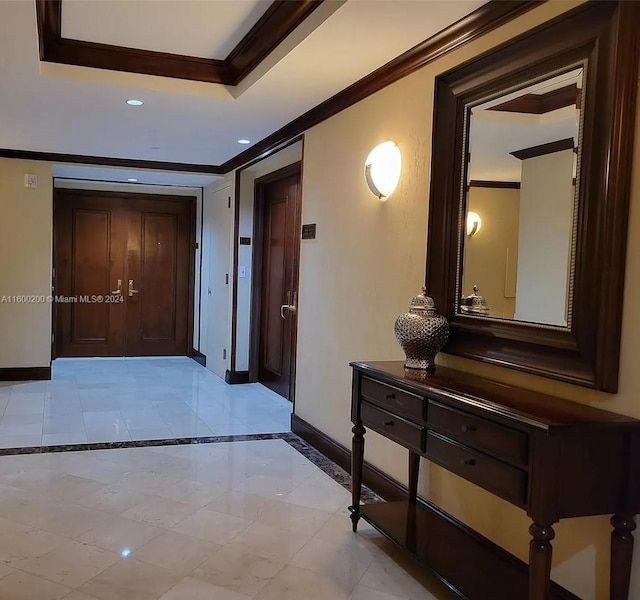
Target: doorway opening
{"type": "Point", "coordinates": [274, 296]}
{"type": "Point", "coordinates": [123, 274]}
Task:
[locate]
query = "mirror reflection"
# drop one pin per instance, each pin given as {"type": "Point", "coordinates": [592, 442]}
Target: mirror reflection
{"type": "Point", "coordinates": [520, 197]}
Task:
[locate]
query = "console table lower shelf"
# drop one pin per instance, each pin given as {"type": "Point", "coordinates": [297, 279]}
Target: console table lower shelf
{"type": "Point", "coordinates": [454, 552]}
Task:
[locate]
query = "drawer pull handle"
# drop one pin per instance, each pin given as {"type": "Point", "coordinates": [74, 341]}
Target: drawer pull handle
{"type": "Point", "coordinates": [468, 428]}
{"type": "Point", "coordinates": [468, 462]}
{"type": "Point", "coordinates": [388, 423]}
{"type": "Point", "coordinates": [391, 396]}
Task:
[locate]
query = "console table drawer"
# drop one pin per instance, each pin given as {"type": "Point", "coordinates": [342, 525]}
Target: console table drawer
{"type": "Point", "coordinates": [397, 401]}
{"type": "Point", "coordinates": [501, 479]}
{"type": "Point", "coordinates": [504, 443]}
{"type": "Point", "coordinates": [393, 427]}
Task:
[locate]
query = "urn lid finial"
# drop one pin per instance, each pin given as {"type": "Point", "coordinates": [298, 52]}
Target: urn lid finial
{"type": "Point", "coordinates": [422, 302]}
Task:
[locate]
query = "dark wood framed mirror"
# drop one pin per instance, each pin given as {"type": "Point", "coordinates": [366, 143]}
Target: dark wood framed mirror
{"type": "Point", "coordinates": [529, 199]}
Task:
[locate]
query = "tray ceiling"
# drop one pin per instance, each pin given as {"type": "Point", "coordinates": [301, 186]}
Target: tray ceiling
{"type": "Point", "coordinates": [79, 110]}
{"type": "Point", "coordinates": [189, 27]}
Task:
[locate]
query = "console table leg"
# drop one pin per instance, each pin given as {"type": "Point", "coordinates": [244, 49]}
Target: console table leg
{"type": "Point", "coordinates": [414, 468]}
{"type": "Point", "coordinates": [357, 460]}
{"type": "Point", "coordinates": [540, 553]}
{"type": "Point", "coordinates": [621, 555]}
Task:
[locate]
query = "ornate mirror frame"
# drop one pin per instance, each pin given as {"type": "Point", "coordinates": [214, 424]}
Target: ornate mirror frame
{"type": "Point", "coordinates": [604, 35]}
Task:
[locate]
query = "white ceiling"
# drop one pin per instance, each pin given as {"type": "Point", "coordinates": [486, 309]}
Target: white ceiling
{"type": "Point", "coordinates": [163, 26]}
{"type": "Point", "coordinates": [65, 109]}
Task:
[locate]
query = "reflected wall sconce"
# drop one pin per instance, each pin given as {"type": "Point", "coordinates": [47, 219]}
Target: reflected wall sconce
{"type": "Point", "coordinates": [382, 169]}
{"type": "Point", "coordinates": [474, 223]}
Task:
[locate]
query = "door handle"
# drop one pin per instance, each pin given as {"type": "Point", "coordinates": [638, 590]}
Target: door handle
{"type": "Point", "coordinates": [293, 307]}
{"type": "Point", "coordinates": [119, 290]}
{"type": "Point", "coordinates": [131, 290]}
{"type": "Point", "coordinates": [289, 306]}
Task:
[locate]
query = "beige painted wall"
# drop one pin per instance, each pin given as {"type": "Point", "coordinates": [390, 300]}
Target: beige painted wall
{"type": "Point", "coordinates": [25, 263]}
{"type": "Point", "coordinates": [546, 215]}
{"type": "Point", "coordinates": [485, 254]}
{"type": "Point", "coordinates": [367, 263]}
{"type": "Point", "coordinates": [216, 294]}
{"type": "Point", "coordinates": [217, 261]}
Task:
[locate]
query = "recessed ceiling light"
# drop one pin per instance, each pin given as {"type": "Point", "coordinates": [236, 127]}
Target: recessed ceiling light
{"type": "Point", "coordinates": [244, 141]}
{"type": "Point", "coordinates": [135, 102]}
{"type": "Point", "coordinates": [132, 179]}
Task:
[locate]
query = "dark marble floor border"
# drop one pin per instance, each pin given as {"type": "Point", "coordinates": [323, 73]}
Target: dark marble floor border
{"type": "Point", "coordinates": [215, 439]}
{"type": "Point", "coordinates": [338, 474]}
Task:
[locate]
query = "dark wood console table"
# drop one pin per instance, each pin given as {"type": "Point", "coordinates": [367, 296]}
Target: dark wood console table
{"type": "Point", "coordinates": [553, 458]}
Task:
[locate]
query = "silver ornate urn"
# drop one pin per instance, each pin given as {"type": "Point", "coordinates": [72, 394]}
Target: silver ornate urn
{"type": "Point", "coordinates": [421, 332]}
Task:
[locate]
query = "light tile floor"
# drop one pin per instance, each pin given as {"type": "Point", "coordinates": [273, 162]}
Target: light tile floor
{"type": "Point", "coordinates": [223, 521]}
{"type": "Point", "coordinates": [110, 400]}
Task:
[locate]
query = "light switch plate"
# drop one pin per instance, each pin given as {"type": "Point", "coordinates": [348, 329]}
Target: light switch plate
{"type": "Point", "coordinates": [30, 181]}
{"type": "Point", "coordinates": [242, 272]}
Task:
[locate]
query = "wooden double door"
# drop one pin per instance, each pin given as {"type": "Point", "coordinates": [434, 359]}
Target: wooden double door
{"type": "Point", "coordinates": [123, 274]}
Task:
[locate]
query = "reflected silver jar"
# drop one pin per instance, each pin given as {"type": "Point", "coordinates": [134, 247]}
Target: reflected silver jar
{"type": "Point", "coordinates": [474, 303]}
{"type": "Point", "coordinates": [421, 332]}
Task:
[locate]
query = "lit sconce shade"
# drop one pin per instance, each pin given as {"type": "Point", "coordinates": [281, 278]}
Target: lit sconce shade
{"type": "Point", "coordinates": [474, 223]}
{"type": "Point", "coordinates": [382, 169]}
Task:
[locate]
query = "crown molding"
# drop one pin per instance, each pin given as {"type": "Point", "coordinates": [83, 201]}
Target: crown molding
{"type": "Point", "coordinates": [279, 20]}
{"type": "Point", "coordinates": [539, 104]}
{"type": "Point", "coordinates": [542, 149]}
{"type": "Point", "coordinates": [108, 161]}
{"type": "Point", "coordinates": [486, 18]}
{"type": "Point", "coordinates": [495, 185]}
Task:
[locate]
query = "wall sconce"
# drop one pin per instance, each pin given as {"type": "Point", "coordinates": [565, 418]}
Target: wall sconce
{"type": "Point", "coordinates": [382, 169]}
{"type": "Point", "coordinates": [474, 223]}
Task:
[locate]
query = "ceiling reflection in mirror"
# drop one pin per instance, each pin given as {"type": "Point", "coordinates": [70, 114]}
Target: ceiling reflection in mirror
{"type": "Point", "coordinates": [520, 209]}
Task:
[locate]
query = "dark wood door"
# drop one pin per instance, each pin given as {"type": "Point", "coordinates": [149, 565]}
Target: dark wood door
{"type": "Point", "coordinates": [124, 263]}
{"type": "Point", "coordinates": [279, 216]}
{"type": "Point", "coordinates": [89, 262]}
{"type": "Point", "coordinates": [157, 277]}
